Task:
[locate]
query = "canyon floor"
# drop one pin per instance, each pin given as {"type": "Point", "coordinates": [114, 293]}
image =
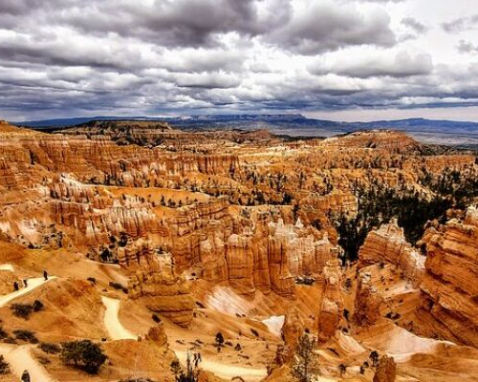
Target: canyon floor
{"type": "Point", "coordinates": [159, 245]}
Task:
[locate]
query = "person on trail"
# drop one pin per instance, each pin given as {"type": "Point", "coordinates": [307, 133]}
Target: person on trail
{"type": "Point", "coordinates": [15, 286]}
{"type": "Point", "coordinates": [26, 376]}
{"type": "Point", "coordinates": [45, 275]}
{"type": "Point", "coordinates": [25, 282]}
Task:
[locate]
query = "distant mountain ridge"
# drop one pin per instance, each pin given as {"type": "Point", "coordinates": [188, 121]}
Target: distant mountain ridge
{"type": "Point", "coordinates": [412, 124]}
{"type": "Point", "coordinates": [456, 133]}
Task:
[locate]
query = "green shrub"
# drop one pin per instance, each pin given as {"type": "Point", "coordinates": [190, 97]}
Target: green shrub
{"type": "Point", "coordinates": [25, 310]}
{"type": "Point", "coordinates": [4, 366]}
{"type": "Point", "coordinates": [84, 354]}
{"type": "Point", "coordinates": [50, 348]}
{"type": "Point", "coordinates": [37, 306]}
{"type": "Point", "coordinates": [22, 310]}
{"type": "Point", "coordinates": [25, 335]}
{"type": "Point", "coordinates": [3, 333]}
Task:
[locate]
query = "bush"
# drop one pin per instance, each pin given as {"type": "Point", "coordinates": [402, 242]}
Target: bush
{"type": "Point", "coordinates": [92, 280]}
{"type": "Point", "coordinates": [4, 366]}
{"type": "Point", "coordinates": [156, 318]}
{"type": "Point", "coordinates": [22, 310]}
{"type": "Point", "coordinates": [37, 306]}
{"type": "Point", "coordinates": [25, 310]}
{"type": "Point", "coordinates": [84, 354]}
{"type": "Point", "coordinates": [118, 286]}
{"type": "Point", "coordinates": [219, 339]}
{"type": "Point", "coordinates": [25, 335]}
{"type": "Point", "coordinates": [3, 333]}
{"type": "Point", "coordinates": [50, 348]}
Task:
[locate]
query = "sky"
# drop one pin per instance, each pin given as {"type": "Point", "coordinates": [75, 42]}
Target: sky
{"type": "Point", "coordinates": [352, 60]}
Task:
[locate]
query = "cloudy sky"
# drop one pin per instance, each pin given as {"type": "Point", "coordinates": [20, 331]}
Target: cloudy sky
{"type": "Point", "coordinates": [336, 59]}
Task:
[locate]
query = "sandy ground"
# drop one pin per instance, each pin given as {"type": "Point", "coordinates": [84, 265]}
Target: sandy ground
{"type": "Point", "coordinates": [32, 284]}
{"type": "Point", "coordinates": [20, 359]}
{"type": "Point", "coordinates": [226, 371]}
{"type": "Point", "coordinates": [117, 331]}
{"type": "Point", "coordinates": [274, 324]}
{"type": "Point", "coordinates": [400, 343]}
{"type": "Point", "coordinates": [114, 327]}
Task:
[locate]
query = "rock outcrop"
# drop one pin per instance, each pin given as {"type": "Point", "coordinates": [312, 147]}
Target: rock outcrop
{"type": "Point", "coordinates": [332, 306]}
{"type": "Point", "coordinates": [386, 370]}
{"type": "Point", "coordinates": [367, 301]}
{"type": "Point", "coordinates": [292, 330]}
{"type": "Point", "coordinates": [388, 245]}
{"type": "Point", "coordinates": [157, 335]}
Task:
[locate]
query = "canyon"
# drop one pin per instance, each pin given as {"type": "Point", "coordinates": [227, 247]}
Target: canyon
{"type": "Point", "coordinates": [157, 239]}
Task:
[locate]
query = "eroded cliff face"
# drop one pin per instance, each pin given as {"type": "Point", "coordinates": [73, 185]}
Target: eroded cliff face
{"type": "Point", "coordinates": [152, 278]}
{"type": "Point", "coordinates": [99, 160]}
{"type": "Point", "coordinates": [449, 284]}
{"type": "Point", "coordinates": [388, 245]}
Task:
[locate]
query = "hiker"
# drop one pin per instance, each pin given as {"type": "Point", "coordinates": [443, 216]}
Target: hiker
{"type": "Point", "coordinates": [15, 286]}
{"type": "Point", "coordinates": [26, 376]}
{"type": "Point", "coordinates": [25, 282]}
{"type": "Point", "coordinates": [45, 275]}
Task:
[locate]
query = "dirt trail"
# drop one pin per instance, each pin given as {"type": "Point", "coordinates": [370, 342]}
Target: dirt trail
{"type": "Point", "coordinates": [20, 358]}
{"type": "Point", "coordinates": [113, 325]}
{"type": "Point", "coordinates": [32, 284]}
{"type": "Point", "coordinates": [7, 267]}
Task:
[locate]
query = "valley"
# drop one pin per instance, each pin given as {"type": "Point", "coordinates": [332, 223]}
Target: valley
{"type": "Point", "coordinates": [160, 245]}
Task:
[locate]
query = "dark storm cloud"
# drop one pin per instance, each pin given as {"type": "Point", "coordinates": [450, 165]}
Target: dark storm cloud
{"type": "Point", "coordinates": [72, 57]}
{"type": "Point", "coordinates": [170, 23]}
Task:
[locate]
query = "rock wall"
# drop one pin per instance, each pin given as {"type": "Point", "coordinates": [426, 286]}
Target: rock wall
{"type": "Point", "coordinates": [449, 284]}
{"type": "Point", "coordinates": [96, 160]}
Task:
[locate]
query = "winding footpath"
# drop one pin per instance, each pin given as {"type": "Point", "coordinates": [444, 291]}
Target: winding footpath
{"type": "Point", "coordinates": [32, 284]}
{"type": "Point", "coordinates": [113, 325]}
{"type": "Point", "coordinates": [20, 358]}
{"type": "Point", "coordinates": [7, 267]}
